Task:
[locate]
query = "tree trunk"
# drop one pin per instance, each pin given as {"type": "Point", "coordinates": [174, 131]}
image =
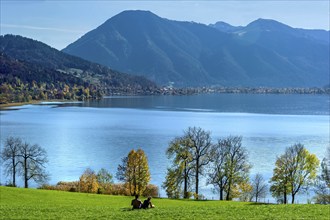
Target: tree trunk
{"type": "Point", "coordinates": [292, 198]}
{"type": "Point", "coordinates": [284, 194]}
{"type": "Point", "coordinates": [221, 193]}
{"type": "Point", "coordinates": [197, 178]}
{"type": "Point", "coordinates": [228, 191]}
{"type": "Point", "coordinates": [26, 185]}
{"type": "Point", "coordinates": [185, 189]}
{"type": "Point", "coordinates": [14, 173]}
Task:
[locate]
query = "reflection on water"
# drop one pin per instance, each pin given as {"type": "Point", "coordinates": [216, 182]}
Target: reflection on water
{"type": "Point", "coordinates": [81, 135]}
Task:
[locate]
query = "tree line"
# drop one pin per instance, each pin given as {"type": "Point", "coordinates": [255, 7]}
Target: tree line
{"type": "Point", "coordinates": [226, 167]}
{"type": "Point", "coordinates": [22, 159]}
{"type": "Point", "coordinates": [223, 164]}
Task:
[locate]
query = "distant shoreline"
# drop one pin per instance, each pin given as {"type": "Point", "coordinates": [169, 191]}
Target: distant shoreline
{"type": "Point", "coordinates": [33, 102]}
{"type": "Point", "coordinates": [15, 104]}
{"type": "Point", "coordinates": [165, 91]}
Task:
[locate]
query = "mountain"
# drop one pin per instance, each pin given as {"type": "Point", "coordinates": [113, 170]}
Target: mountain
{"type": "Point", "coordinates": [268, 25]}
{"type": "Point", "coordinates": [42, 70]}
{"type": "Point", "coordinates": [264, 53]}
{"type": "Point", "coordinates": [225, 27]}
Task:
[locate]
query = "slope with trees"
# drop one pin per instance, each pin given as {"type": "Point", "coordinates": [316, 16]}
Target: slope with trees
{"type": "Point", "coordinates": [31, 68]}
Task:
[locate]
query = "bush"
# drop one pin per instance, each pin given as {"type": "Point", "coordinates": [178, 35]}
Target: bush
{"type": "Point", "coordinates": [151, 190]}
{"type": "Point", "coordinates": [120, 189]}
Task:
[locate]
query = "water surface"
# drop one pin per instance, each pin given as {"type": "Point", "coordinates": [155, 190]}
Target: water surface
{"type": "Point", "coordinates": [98, 134]}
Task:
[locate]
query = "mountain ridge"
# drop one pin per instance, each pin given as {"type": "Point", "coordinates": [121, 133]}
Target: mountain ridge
{"type": "Point", "coordinates": [192, 54]}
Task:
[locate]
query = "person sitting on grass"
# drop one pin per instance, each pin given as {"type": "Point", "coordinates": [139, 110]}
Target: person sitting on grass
{"type": "Point", "coordinates": [136, 203]}
{"type": "Point", "coordinates": [147, 203]}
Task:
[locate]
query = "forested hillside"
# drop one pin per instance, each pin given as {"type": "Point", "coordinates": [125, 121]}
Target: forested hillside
{"type": "Point", "coordinates": [31, 70]}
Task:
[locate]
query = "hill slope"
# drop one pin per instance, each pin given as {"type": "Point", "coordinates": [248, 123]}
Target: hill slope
{"type": "Point", "coordinates": [191, 54]}
{"type": "Point", "coordinates": [18, 203]}
{"type": "Point", "coordinates": [25, 62]}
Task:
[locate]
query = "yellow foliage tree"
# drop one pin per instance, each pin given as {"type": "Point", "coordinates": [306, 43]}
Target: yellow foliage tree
{"type": "Point", "coordinates": [88, 181]}
{"type": "Point", "coordinates": [135, 172]}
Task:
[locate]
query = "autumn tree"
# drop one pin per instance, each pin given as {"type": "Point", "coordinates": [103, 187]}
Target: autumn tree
{"type": "Point", "coordinates": [181, 170]}
{"type": "Point", "coordinates": [9, 156]}
{"type": "Point", "coordinates": [259, 187]}
{"type": "Point", "coordinates": [294, 169]}
{"type": "Point", "coordinates": [33, 159]}
{"type": "Point", "coordinates": [243, 191]}
{"type": "Point", "coordinates": [88, 181]}
{"type": "Point", "coordinates": [134, 171]}
{"type": "Point", "coordinates": [230, 167]}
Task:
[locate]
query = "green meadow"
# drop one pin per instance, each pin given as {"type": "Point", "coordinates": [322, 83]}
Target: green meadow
{"type": "Point", "coordinates": [19, 203]}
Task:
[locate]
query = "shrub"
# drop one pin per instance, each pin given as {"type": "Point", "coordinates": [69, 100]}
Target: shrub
{"type": "Point", "coordinates": [151, 190]}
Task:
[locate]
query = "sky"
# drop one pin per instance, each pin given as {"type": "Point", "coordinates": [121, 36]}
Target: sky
{"type": "Point", "coordinates": [60, 22]}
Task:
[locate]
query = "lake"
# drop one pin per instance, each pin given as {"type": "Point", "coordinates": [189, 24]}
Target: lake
{"type": "Point", "coordinates": [98, 134]}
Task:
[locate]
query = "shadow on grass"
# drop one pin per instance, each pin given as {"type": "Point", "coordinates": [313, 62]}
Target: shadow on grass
{"type": "Point", "coordinates": [126, 209]}
{"type": "Point", "coordinates": [260, 203]}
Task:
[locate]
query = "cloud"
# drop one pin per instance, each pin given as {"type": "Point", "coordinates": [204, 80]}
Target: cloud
{"type": "Point", "coordinates": [41, 28]}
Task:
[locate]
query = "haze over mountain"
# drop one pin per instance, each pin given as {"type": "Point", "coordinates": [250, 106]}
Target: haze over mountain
{"type": "Point", "coordinates": [264, 53]}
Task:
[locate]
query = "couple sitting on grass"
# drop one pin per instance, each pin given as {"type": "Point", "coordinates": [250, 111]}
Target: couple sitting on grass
{"type": "Point", "coordinates": [137, 204]}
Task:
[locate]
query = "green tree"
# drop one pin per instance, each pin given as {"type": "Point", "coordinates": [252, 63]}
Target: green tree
{"type": "Point", "coordinates": [280, 180]}
{"type": "Point", "coordinates": [134, 171]}
{"type": "Point", "coordinates": [173, 183]}
{"type": "Point", "coordinates": [295, 169]}
{"type": "Point", "coordinates": [182, 167]}
{"type": "Point", "coordinates": [9, 156]}
{"type": "Point", "coordinates": [104, 179]}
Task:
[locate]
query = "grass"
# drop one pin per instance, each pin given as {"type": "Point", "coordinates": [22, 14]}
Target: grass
{"type": "Point", "coordinates": [18, 203]}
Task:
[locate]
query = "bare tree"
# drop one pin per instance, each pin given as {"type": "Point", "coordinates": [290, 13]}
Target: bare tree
{"type": "Point", "coordinates": [217, 174]}
{"type": "Point", "coordinates": [259, 187]}
{"type": "Point", "coordinates": [199, 142]}
{"type": "Point", "coordinates": [9, 156]}
{"type": "Point", "coordinates": [230, 166]}
{"type": "Point", "coordinates": [33, 159]}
